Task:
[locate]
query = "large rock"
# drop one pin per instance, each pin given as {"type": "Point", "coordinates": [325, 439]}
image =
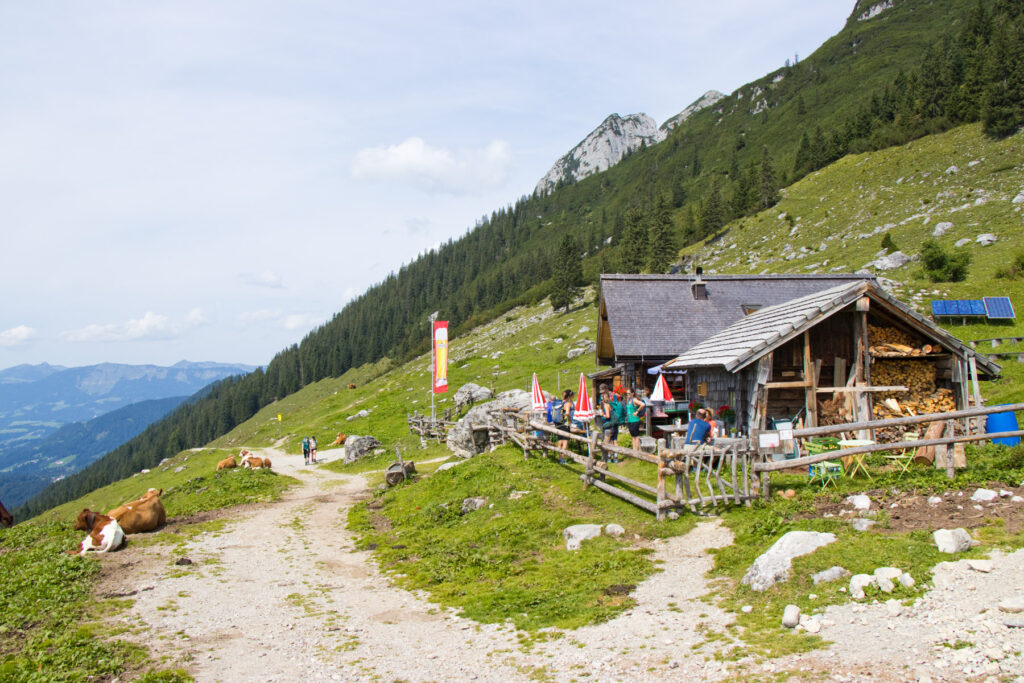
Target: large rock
{"type": "Point", "coordinates": [774, 565]}
{"type": "Point", "coordinates": [858, 582]}
{"type": "Point", "coordinates": [576, 534]}
{"type": "Point", "coordinates": [466, 442]}
{"type": "Point", "coordinates": [358, 447]}
{"type": "Point", "coordinates": [952, 540]}
{"type": "Point", "coordinates": [791, 616]}
{"type": "Point", "coordinates": [896, 259]}
{"type": "Point", "coordinates": [831, 574]}
{"type": "Point", "coordinates": [470, 394]}
{"type": "Point", "coordinates": [986, 239]}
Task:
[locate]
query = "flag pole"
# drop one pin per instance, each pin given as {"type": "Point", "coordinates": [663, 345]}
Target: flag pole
{"type": "Point", "coordinates": [431, 319]}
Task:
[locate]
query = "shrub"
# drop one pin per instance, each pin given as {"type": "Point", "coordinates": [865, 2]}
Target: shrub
{"type": "Point", "coordinates": [889, 244]}
{"type": "Point", "coordinates": [941, 266]}
{"type": "Point", "coordinates": [1014, 270]}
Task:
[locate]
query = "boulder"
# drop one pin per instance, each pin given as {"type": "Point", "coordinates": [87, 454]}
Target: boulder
{"type": "Point", "coordinates": [449, 465]}
{"type": "Point", "coordinates": [887, 577]}
{"type": "Point", "coordinates": [858, 582]}
{"type": "Point", "coordinates": [906, 580]}
{"type": "Point", "coordinates": [774, 565]}
{"type": "Point", "coordinates": [952, 540]}
{"type": "Point", "coordinates": [941, 229]}
{"type": "Point", "coordinates": [791, 617]}
{"type": "Point", "coordinates": [1012, 605]}
{"type": "Point", "coordinates": [830, 574]}
{"type": "Point", "coordinates": [1019, 199]}
{"type": "Point", "coordinates": [983, 566]}
{"type": "Point", "coordinates": [358, 447]}
{"type": "Point", "coordinates": [473, 504]}
{"type": "Point", "coordinates": [466, 442]}
{"type": "Point", "coordinates": [986, 239]}
{"type": "Point", "coordinates": [961, 242]}
{"type": "Point", "coordinates": [897, 259]}
{"type": "Point", "coordinates": [613, 530]}
{"type": "Point", "coordinates": [575, 535]}
{"type": "Point", "coordinates": [469, 394]}
{"type": "Point", "coordinates": [859, 502]}
{"type": "Point", "coordinates": [984, 495]}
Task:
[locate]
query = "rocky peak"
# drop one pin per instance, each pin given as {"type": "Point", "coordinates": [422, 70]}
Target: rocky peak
{"type": "Point", "coordinates": [602, 149]}
{"type": "Point", "coordinates": [702, 102]}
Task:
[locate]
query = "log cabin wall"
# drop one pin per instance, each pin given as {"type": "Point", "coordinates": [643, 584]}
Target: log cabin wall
{"type": "Point", "coordinates": [721, 387]}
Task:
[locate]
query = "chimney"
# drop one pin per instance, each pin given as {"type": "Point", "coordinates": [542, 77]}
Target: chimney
{"type": "Point", "coordinates": [699, 287]}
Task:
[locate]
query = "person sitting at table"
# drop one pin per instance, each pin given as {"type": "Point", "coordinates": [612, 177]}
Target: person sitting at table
{"type": "Point", "coordinates": [699, 430]}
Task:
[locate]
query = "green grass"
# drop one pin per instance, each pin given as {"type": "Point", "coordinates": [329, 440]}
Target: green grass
{"type": "Point", "coordinates": [507, 561]}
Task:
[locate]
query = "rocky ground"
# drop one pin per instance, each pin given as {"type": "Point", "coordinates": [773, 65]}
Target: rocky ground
{"type": "Point", "coordinates": [281, 594]}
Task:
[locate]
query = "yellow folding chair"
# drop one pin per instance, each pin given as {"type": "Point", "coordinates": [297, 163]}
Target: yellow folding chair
{"type": "Point", "coordinates": [905, 457]}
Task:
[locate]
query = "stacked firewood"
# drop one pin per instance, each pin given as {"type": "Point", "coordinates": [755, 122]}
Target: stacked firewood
{"type": "Point", "coordinates": [892, 342]}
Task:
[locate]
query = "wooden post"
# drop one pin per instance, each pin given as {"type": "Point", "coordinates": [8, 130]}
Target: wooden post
{"type": "Point", "coordinates": [811, 388]}
{"type": "Point", "coordinates": [972, 366]}
{"type": "Point", "coordinates": [661, 481]}
{"type": "Point", "coordinates": [950, 467]}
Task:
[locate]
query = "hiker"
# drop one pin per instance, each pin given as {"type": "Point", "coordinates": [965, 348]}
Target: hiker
{"type": "Point", "coordinates": [699, 430]}
{"type": "Point", "coordinates": [312, 449]}
{"type": "Point", "coordinates": [305, 449]}
{"type": "Point", "coordinates": [635, 411]}
{"type": "Point", "coordinates": [613, 414]}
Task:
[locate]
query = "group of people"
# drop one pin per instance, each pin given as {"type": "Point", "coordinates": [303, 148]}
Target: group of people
{"type": "Point", "coordinates": [309, 449]}
{"type": "Point", "coordinates": [618, 408]}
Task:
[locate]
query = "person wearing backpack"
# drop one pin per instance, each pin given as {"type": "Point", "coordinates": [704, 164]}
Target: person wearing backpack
{"type": "Point", "coordinates": [305, 449]}
{"type": "Point", "coordinates": [312, 449]}
{"type": "Point", "coordinates": [609, 419]}
{"type": "Point", "coordinates": [565, 413]}
{"type": "Point", "coordinates": [635, 410]}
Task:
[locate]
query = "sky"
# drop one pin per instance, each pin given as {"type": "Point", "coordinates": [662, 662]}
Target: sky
{"type": "Point", "coordinates": [211, 181]}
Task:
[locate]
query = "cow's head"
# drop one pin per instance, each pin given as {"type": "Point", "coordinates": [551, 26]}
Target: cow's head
{"type": "Point", "coordinates": [86, 518]}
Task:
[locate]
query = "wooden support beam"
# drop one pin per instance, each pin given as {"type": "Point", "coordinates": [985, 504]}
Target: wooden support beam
{"type": "Point", "coordinates": [795, 384]}
{"type": "Point", "coordinates": [624, 495]}
{"type": "Point", "coordinates": [901, 421]}
{"type": "Point", "coordinates": [853, 390]}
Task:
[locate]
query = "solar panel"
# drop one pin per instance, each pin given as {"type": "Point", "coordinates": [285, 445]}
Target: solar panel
{"type": "Point", "coordinates": [959, 307]}
{"type": "Point", "coordinates": [999, 307]}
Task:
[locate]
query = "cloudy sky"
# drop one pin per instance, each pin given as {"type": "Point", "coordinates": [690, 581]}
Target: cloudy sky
{"type": "Point", "coordinates": [212, 180]}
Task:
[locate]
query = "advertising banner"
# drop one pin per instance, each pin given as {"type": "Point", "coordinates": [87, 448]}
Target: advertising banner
{"type": "Point", "coordinates": [440, 356]}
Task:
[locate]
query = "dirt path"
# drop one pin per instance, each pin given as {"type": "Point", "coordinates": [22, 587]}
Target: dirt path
{"type": "Point", "coordinates": [281, 594]}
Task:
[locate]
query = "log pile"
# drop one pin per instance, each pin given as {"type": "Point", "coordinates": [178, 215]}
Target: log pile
{"type": "Point", "coordinates": [892, 342]}
{"type": "Point", "coordinates": [922, 396]}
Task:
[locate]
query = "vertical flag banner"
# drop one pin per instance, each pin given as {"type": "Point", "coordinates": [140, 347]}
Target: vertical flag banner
{"type": "Point", "coordinates": [440, 356]}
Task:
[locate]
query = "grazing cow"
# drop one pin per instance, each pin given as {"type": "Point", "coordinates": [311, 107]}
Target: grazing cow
{"type": "Point", "coordinates": [105, 533]}
{"type": "Point", "coordinates": [6, 518]}
{"type": "Point", "coordinates": [227, 463]}
{"type": "Point", "coordinates": [145, 514]}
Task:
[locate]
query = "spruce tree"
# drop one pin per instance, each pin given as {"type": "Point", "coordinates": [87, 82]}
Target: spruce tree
{"type": "Point", "coordinates": [568, 275]}
{"type": "Point", "coordinates": [634, 241]}
{"type": "Point", "coordinates": [713, 216]}
{"type": "Point", "coordinates": [769, 183]}
{"type": "Point", "coordinates": [661, 249]}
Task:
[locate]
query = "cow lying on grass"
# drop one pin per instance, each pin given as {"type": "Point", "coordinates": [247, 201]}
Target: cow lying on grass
{"type": "Point", "coordinates": [227, 463]}
{"type": "Point", "coordinates": [105, 534]}
{"type": "Point", "coordinates": [145, 514]}
{"type": "Point", "coordinates": [6, 518]}
{"type": "Point", "coordinates": [251, 461]}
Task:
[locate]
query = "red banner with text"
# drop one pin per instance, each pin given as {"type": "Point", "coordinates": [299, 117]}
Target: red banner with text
{"type": "Point", "coordinates": [440, 356]}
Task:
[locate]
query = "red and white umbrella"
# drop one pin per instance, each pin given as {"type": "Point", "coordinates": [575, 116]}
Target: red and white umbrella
{"type": "Point", "coordinates": [538, 396]}
{"type": "Point", "coordinates": [661, 391]}
{"type": "Point", "coordinates": [584, 408]}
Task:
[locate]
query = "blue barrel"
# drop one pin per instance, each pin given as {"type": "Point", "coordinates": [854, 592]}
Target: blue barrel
{"type": "Point", "coordinates": [1003, 422]}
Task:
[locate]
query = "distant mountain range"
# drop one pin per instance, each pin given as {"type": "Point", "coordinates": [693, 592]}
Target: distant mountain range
{"type": "Point", "coordinates": [36, 400]}
{"type": "Point", "coordinates": [27, 469]}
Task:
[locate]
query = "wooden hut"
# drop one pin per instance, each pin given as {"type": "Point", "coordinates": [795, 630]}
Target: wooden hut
{"type": "Point", "coordinates": [646, 320]}
{"type": "Point", "coordinates": [846, 353]}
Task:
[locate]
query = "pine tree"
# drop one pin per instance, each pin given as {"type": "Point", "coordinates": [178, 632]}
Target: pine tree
{"type": "Point", "coordinates": [713, 216]}
{"type": "Point", "coordinates": [568, 275]}
{"type": "Point", "coordinates": [662, 249]}
{"type": "Point", "coordinates": [769, 183]}
{"type": "Point", "coordinates": [634, 241]}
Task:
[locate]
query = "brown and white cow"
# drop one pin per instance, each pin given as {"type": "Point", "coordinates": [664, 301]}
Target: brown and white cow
{"type": "Point", "coordinates": [253, 462]}
{"type": "Point", "coordinates": [145, 514]}
{"type": "Point", "coordinates": [227, 463]}
{"type": "Point", "coordinates": [6, 518]}
{"type": "Point", "coordinates": [105, 534]}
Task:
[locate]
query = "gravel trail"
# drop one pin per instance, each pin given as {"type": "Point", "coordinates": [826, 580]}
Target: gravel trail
{"type": "Point", "coordinates": [281, 594]}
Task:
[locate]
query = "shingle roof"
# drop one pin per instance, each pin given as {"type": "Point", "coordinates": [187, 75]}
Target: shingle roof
{"type": "Point", "coordinates": [765, 330]}
{"type": "Point", "coordinates": [657, 317]}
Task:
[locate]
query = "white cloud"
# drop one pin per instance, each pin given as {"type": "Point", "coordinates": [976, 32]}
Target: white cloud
{"type": "Point", "coordinates": [149, 327]}
{"type": "Point", "coordinates": [301, 321]}
{"type": "Point", "coordinates": [464, 171]}
{"type": "Point", "coordinates": [16, 336]}
{"type": "Point", "coordinates": [266, 278]}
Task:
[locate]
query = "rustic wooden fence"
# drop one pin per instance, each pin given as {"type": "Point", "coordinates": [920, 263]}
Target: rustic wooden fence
{"type": "Point", "coordinates": [764, 468]}
{"type": "Point", "coordinates": [703, 476]}
{"type": "Point", "coordinates": [430, 428]}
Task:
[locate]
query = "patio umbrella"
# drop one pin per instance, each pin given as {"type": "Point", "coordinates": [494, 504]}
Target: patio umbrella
{"type": "Point", "coordinates": [584, 408]}
{"type": "Point", "coordinates": [661, 391]}
{"type": "Point", "coordinates": [538, 396]}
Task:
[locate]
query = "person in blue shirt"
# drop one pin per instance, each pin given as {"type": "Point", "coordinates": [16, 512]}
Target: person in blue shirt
{"type": "Point", "coordinates": [699, 431]}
